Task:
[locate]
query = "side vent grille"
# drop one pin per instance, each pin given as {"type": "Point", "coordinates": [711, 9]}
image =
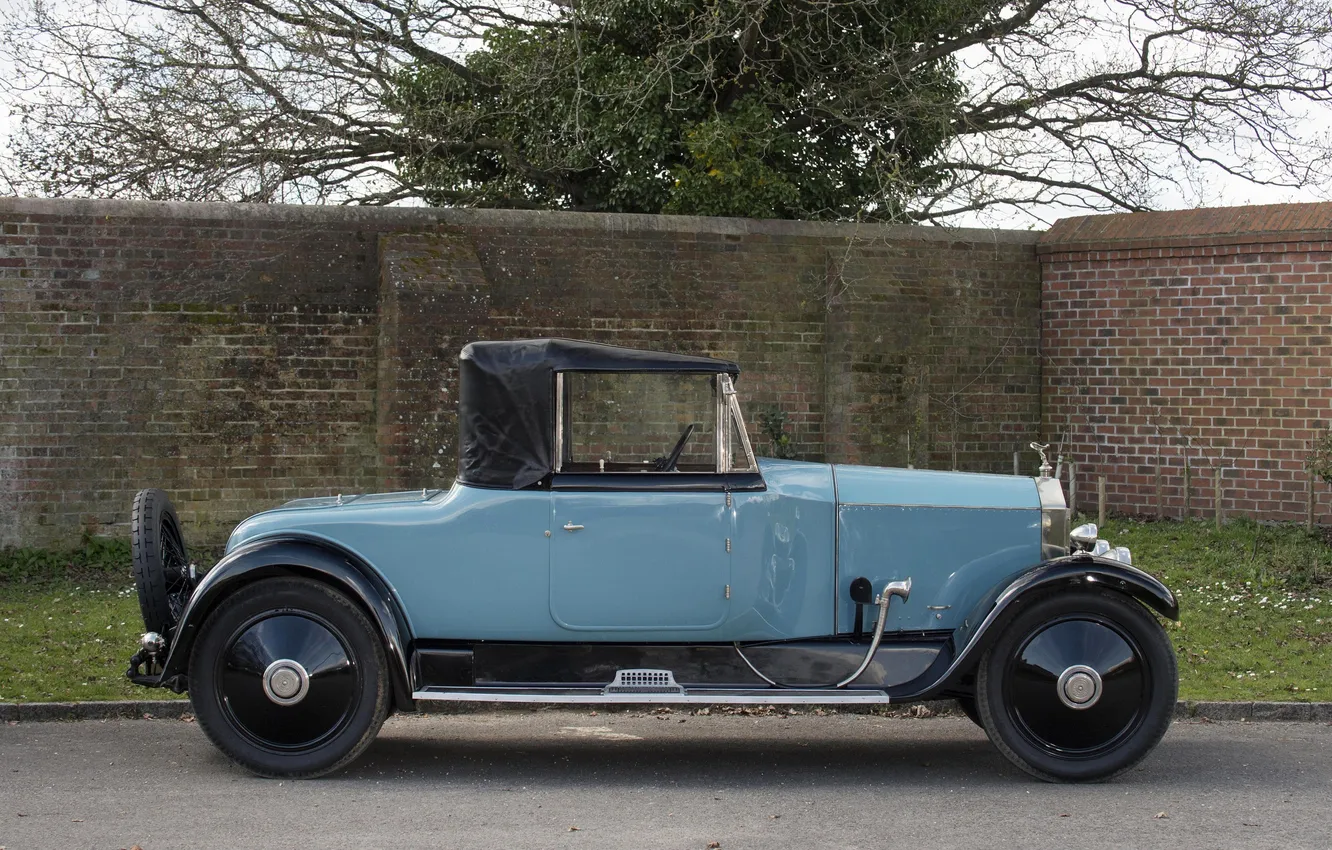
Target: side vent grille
{"type": "Point", "coordinates": [643, 682]}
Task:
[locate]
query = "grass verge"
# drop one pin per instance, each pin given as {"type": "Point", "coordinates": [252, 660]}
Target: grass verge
{"type": "Point", "coordinates": [1255, 622]}
{"type": "Point", "coordinates": [69, 621]}
{"type": "Point", "coordinates": [1255, 605]}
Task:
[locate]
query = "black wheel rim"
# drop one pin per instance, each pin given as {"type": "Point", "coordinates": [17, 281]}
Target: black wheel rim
{"type": "Point", "coordinates": [1031, 693]}
{"type": "Point", "coordinates": [175, 568]}
{"type": "Point", "coordinates": [324, 653]}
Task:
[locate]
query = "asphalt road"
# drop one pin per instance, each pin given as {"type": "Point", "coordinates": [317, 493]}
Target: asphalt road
{"type": "Point", "coordinates": [527, 779]}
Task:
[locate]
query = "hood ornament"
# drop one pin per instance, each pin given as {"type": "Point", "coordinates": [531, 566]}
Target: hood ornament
{"type": "Point", "coordinates": [1040, 448]}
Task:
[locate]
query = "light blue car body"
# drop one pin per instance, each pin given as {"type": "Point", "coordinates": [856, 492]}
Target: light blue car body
{"type": "Point", "coordinates": [550, 565]}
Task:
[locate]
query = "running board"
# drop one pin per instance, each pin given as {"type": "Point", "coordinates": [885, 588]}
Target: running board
{"type": "Point", "coordinates": [704, 696]}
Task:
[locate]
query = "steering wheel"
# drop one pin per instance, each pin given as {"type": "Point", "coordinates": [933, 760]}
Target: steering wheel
{"type": "Point", "coordinates": [668, 463]}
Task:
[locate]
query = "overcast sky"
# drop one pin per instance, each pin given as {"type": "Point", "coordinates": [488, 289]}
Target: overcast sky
{"type": "Point", "coordinates": [1219, 190]}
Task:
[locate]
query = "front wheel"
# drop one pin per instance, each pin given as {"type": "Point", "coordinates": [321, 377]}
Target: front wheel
{"type": "Point", "coordinates": [288, 678]}
{"type": "Point", "coordinates": [1079, 687]}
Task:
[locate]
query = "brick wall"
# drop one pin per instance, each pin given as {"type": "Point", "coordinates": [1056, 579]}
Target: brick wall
{"type": "Point", "coordinates": [1201, 335]}
{"type": "Point", "coordinates": [238, 356]}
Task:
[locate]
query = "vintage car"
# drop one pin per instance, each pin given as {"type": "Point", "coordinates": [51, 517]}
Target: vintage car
{"type": "Point", "coordinates": [611, 538]}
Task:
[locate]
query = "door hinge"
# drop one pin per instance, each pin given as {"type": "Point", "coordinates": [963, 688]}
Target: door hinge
{"type": "Point", "coordinates": [728, 500]}
{"type": "Point", "coordinates": [728, 544]}
{"type": "Point", "coordinates": [728, 591]}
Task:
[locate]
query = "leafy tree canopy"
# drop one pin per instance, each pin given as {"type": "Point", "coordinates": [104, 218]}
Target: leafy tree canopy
{"type": "Point", "coordinates": [695, 107]}
{"type": "Point", "coordinates": [836, 109]}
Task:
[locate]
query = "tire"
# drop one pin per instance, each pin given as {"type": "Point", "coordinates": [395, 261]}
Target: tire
{"type": "Point", "coordinates": [161, 563]}
{"type": "Point", "coordinates": [265, 714]}
{"type": "Point", "coordinates": [1122, 708]}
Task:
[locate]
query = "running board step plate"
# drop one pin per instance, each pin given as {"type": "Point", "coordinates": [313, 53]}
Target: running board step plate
{"type": "Point", "coordinates": [704, 696]}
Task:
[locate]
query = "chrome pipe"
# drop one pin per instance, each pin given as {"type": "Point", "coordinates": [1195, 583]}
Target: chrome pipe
{"type": "Point", "coordinates": [893, 588]}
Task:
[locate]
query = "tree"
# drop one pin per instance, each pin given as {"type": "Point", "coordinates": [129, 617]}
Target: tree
{"type": "Point", "coordinates": [838, 109]}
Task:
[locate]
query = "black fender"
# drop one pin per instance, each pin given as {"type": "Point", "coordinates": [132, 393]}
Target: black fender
{"type": "Point", "coordinates": [294, 555]}
{"type": "Point", "coordinates": [1081, 571]}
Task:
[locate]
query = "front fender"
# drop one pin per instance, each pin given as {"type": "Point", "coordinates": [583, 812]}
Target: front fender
{"type": "Point", "coordinates": [294, 555]}
{"type": "Point", "coordinates": [1073, 572]}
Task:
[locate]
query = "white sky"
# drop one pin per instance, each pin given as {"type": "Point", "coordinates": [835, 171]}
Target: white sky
{"type": "Point", "coordinates": [1218, 189]}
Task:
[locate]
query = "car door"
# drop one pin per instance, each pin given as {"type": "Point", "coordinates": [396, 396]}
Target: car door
{"type": "Point", "coordinates": [624, 561]}
{"type": "Point", "coordinates": [640, 522]}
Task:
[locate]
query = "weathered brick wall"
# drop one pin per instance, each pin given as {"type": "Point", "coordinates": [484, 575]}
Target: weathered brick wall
{"type": "Point", "coordinates": [1202, 335]}
{"type": "Point", "coordinates": [240, 355]}
{"type": "Point", "coordinates": [934, 352]}
{"type": "Point", "coordinates": [228, 357]}
{"type": "Point", "coordinates": [817, 316]}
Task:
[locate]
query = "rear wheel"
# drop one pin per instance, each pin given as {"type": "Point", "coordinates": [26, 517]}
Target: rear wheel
{"type": "Point", "coordinates": [288, 678]}
{"type": "Point", "coordinates": [160, 561]}
{"type": "Point", "coordinates": [1079, 687]}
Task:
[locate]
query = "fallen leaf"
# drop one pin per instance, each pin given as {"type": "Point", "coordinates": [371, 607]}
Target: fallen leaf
{"type": "Point", "coordinates": [573, 829]}
{"type": "Point", "coordinates": [77, 820]}
{"type": "Point", "coordinates": [1160, 815]}
{"type": "Point", "coordinates": [21, 814]}
{"type": "Point", "coordinates": [713, 845]}
{"type": "Point", "coordinates": [1064, 814]}
{"type": "Point", "coordinates": [187, 718]}
{"type": "Point", "coordinates": [774, 817]}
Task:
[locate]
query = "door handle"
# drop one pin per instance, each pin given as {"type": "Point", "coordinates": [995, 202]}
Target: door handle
{"type": "Point", "coordinates": [570, 527]}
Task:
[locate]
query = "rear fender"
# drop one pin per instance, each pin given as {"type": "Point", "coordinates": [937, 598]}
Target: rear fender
{"type": "Point", "coordinates": [1069, 573]}
{"type": "Point", "coordinates": [294, 556]}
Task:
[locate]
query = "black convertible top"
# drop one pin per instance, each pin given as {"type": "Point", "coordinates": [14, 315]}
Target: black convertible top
{"type": "Point", "coordinates": [506, 400]}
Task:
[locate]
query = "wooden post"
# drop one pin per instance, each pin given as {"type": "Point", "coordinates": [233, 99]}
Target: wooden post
{"type": "Point", "coordinates": [1309, 517]}
{"type": "Point", "coordinates": [1072, 488]}
{"type": "Point", "coordinates": [1220, 472]}
{"type": "Point", "coordinates": [1160, 510]}
{"type": "Point", "coordinates": [1100, 500]}
{"type": "Point", "coordinates": [1017, 467]}
{"type": "Point", "coordinates": [1188, 487]}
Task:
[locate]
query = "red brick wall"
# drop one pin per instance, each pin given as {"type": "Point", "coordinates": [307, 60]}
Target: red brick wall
{"type": "Point", "coordinates": [1202, 334]}
{"type": "Point", "coordinates": [238, 356]}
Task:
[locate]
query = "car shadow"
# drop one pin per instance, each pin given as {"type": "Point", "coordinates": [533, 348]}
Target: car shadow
{"type": "Point", "coordinates": [703, 763]}
{"type": "Point", "coordinates": [942, 754]}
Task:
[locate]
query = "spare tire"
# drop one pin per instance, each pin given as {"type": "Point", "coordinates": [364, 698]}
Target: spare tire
{"type": "Point", "coordinates": [161, 562]}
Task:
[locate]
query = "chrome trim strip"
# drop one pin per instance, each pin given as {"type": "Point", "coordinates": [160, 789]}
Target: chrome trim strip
{"type": "Point", "coordinates": [950, 507]}
{"type": "Point", "coordinates": [697, 696]}
{"type": "Point", "coordinates": [559, 420]}
{"type": "Point", "coordinates": [723, 429]}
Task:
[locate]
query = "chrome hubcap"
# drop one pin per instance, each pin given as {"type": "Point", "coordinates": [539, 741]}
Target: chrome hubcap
{"type": "Point", "coordinates": [1079, 687]}
{"type": "Point", "coordinates": [286, 682]}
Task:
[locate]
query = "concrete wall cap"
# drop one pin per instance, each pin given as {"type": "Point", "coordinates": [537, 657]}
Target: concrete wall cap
{"type": "Point", "coordinates": [408, 217]}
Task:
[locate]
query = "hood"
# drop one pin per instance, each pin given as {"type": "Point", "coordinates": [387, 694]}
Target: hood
{"type": "Point", "coordinates": [872, 485]}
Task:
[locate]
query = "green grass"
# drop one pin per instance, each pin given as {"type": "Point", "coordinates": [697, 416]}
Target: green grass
{"type": "Point", "coordinates": [1255, 606]}
{"type": "Point", "coordinates": [1255, 621]}
{"type": "Point", "coordinates": [69, 621]}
